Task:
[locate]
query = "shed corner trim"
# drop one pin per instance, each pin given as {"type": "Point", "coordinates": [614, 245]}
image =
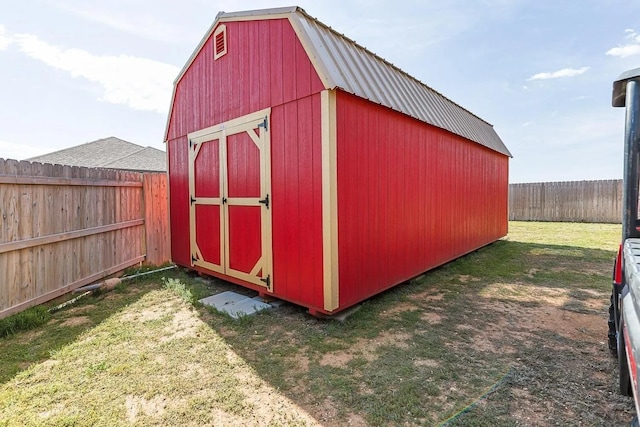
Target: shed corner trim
{"type": "Point", "coordinates": [329, 201]}
{"type": "Point", "coordinates": [301, 28]}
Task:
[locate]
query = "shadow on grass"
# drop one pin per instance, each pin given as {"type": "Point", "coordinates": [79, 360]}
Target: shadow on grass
{"type": "Point", "coordinates": [420, 353]}
{"type": "Point", "coordinates": [29, 346]}
{"type": "Point", "coordinates": [417, 353]}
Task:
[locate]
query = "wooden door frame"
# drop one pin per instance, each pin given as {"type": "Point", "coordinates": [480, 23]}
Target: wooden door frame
{"type": "Point", "coordinates": [195, 144]}
{"type": "Point", "coordinates": [220, 132]}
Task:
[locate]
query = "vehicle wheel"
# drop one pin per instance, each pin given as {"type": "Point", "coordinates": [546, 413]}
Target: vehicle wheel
{"type": "Point", "coordinates": [625, 379]}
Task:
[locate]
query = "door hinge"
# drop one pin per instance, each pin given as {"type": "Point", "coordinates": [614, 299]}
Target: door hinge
{"type": "Point", "coordinates": [192, 200]}
{"type": "Point", "coordinates": [265, 201]}
{"type": "Point", "coordinates": [224, 200]}
{"type": "Point", "coordinates": [267, 280]}
{"type": "Point", "coordinates": [193, 259]}
{"type": "Point", "coordinates": [264, 124]}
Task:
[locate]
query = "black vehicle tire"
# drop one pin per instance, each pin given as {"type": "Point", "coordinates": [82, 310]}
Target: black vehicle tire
{"type": "Point", "coordinates": [625, 378]}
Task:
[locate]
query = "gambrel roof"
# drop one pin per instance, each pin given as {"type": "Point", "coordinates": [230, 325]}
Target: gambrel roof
{"type": "Point", "coordinates": [343, 64]}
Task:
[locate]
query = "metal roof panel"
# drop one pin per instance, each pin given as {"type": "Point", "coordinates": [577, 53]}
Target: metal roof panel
{"type": "Point", "coordinates": [356, 70]}
{"type": "Point", "coordinates": [344, 64]}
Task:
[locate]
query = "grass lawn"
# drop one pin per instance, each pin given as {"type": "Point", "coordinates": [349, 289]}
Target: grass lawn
{"type": "Point", "coordinates": [512, 334]}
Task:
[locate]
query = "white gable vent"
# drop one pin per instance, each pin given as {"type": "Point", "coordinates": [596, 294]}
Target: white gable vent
{"type": "Point", "coordinates": [220, 41]}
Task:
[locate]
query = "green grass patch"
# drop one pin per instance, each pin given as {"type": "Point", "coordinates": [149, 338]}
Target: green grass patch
{"type": "Point", "coordinates": [29, 319]}
{"type": "Point", "coordinates": [511, 334]}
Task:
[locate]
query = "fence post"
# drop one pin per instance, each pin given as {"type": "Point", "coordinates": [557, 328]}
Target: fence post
{"type": "Point", "coordinates": [64, 227]}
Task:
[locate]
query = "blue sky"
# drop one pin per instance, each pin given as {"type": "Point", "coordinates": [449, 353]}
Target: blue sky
{"type": "Point", "coordinates": [74, 71]}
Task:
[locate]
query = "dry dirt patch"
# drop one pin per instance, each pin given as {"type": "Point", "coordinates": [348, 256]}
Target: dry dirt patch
{"type": "Point", "coordinates": [265, 402]}
{"type": "Point", "coordinates": [398, 308]}
{"type": "Point", "coordinates": [466, 278]}
{"type": "Point", "coordinates": [80, 310]}
{"type": "Point", "coordinates": [76, 321]}
{"type": "Point", "coordinates": [136, 405]}
{"type": "Point", "coordinates": [429, 295]}
{"type": "Point", "coordinates": [51, 412]}
{"type": "Point", "coordinates": [184, 324]}
{"type": "Point", "coordinates": [366, 348]}
{"type": "Point", "coordinates": [530, 413]}
{"type": "Point", "coordinates": [520, 292]}
{"type": "Point", "coordinates": [521, 322]}
{"type": "Point", "coordinates": [431, 317]}
{"type": "Point", "coordinates": [429, 363]}
{"type": "Point", "coordinates": [356, 420]}
{"type": "Point", "coordinates": [148, 314]}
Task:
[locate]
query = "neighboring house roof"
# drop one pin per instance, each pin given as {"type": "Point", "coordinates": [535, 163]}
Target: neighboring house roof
{"type": "Point", "coordinates": [111, 153]}
{"type": "Point", "coordinates": [343, 64]}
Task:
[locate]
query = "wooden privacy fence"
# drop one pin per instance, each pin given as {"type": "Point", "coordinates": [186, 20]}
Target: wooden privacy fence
{"type": "Point", "coordinates": [64, 227]}
{"type": "Point", "coordinates": [573, 201]}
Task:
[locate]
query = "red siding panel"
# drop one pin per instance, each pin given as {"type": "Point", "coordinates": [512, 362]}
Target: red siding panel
{"type": "Point", "coordinates": [410, 197]}
{"type": "Point", "coordinates": [276, 63]}
{"type": "Point", "coordinates": [243, 166]}
{"type": "Point", "coordinates": [178, 151]}
{"type": "Point", "coordinates": [245, 245]}
{"type": "Point", "coordinates": [265, 66]}
{"type": "Point", "coordinates": [259, 52]}
{"type": "Point", "coordinates": [208, 232]}
{"type": "Point", "coordinates": [289, 40]}
{"type": "Point", "coordinates": [296, 186]}
{"type": "Point", "coordinates": [207, 170]}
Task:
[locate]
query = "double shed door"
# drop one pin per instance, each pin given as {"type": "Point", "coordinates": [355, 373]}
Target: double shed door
{"type": "Point", "coordinates": [229, 187]}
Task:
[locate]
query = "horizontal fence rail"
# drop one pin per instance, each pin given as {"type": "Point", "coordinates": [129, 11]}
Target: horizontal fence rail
{"type": "Point", "coordinates": [571, 201]}
{"type": "Point", "coordinates": [64, 227]}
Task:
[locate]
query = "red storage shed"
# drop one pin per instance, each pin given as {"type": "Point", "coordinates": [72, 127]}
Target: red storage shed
{"type": "Point", "coordinates": [305, 167]}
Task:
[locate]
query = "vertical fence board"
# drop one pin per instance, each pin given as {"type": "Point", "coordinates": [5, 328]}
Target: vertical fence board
{"type": "Point", "coordinates": [4, 230]}
{"type": "Point", "coordinates": [156, 218]}
{"type": "Point", "coordinates": [572, 201]}
{"type": "Point", "coordinates": [10, 217]}
{"type": "Point", "coordinates": [34, 209]}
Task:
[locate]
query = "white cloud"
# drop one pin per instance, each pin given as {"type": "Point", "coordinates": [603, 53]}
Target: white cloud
{"type": "Point", "coordinates": [139, 83]}
{"type": "Point", "coordinates": [629, 49]}
{"type": "Point", "coordinates": [5, 39]}
{"type": "Point", "coordinates": [565, 72]}
{"type": "Point", "coordinates": [624, 51]}
{"type": "Point", "coordinates": [119, 17]}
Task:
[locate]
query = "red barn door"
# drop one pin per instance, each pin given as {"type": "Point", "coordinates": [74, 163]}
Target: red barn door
{"type": "Point", "coordinates": [229, 187]}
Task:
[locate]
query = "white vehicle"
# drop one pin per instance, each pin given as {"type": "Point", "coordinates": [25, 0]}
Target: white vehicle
{"type": "Point", "coordinates": [624, 312]}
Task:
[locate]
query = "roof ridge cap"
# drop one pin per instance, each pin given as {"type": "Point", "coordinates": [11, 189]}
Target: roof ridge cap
{"type": "Point", "coordinates": [124, 157]}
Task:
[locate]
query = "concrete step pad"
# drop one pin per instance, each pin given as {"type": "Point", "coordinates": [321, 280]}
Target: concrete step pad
{"type": "Point", "coordinates": [235, 304]}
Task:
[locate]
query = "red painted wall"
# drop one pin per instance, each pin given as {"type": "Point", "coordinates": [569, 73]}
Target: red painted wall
{"type": "Point", "coordinates": [265, 66]}
{"type": "Point", "coordinates": [178, 150]}
{"type": "Point", "coordinates": [410, 197]}
{"type": "Point", "coordinates": [296, 185]}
